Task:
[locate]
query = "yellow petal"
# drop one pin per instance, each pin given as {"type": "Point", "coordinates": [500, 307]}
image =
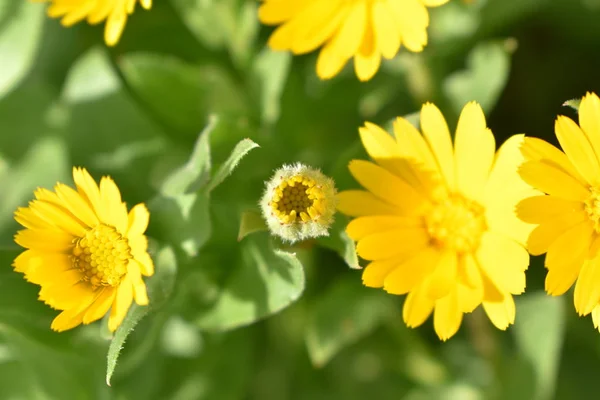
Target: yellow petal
{"type": "Point", "coordinates": [386, 31]}
{"type": "Point", "coordinates": [76, 205]}
{"type": "Point", "coordinates": [115, 23]}
{"type": "Point", "coordinates": [357, 203]}
{"type": "Point", "coordinates": [539, 209]}
{"type": "Point", "coordinates": [534, 149]}
{"type": "Point", "coordinates": [412, 272]}
{"type": "Point", "coordinates": [360, 227]}
{"type": "Point", "coordinates": [387, 186]}
{"type": "Point", "coordinates": [443, 279]}
{"type": "Point", "coordinates": [596, 316]}
{"type": "Point", "coordinates": [66, 320]}
{"type": "Point", "coordinates": [566, 256]}
{"type": "Point", "coordinates": [100, 306]}
{"type": "Point", "coordinates": [116, 211]}
{"type": "Point", "coordinates": [552, 180]}
{"type": "Point", "coordinates": [417, 308]}
{"type": "Point", "coordinates": [474, 152]}
{"type": "Point", "coordinates": [501, 314]}
{"type": "Point", "coordinates": [274, 12]}
{"type": "Point", "coordinates": [589, 119]}
{"type": "Point", "coordinates": [504, 261]}
{"type": "Point", "coordinates": [40, 267]}
{"type": "Point", "coordinates": [578, 148]}
{"type": "Point", "coordinates": [123, 300]}
{"type": "Point", "coordinates": [375, 272]}
{"type": "Point", "coordinates": [139, 287]}
{"type": "Point", "coordinates": [345, 43]}
{"type": "Point", "coordinates": [45, 240]}
{"type": "Point", "coordinates": [145, 263]}
{"type": "Point", "coordinates": [138, 219]}
{"type": "Point", "coordinates": [436, 132]}
{"type": "Point", "coordinates": [412, 19]}
{"type": "Point", "coordinates": [412, 144]}
{"type": "Point", "coordinates": [391, 243]}
{"type": "Point", "coordinates": [58, 217]}
{"type": "Point", "coordinates": [587, 288]}
{"type": "Point", "coordinates": [545, 234]}
{"type": "Point", "coordinates": [504, 189]}
{"type": "Point", "coordinates": [88, 189]}
{"type": "Point", "coordinates": [447, 316]}
{"type": "Point", "coordinates": [434, 3]}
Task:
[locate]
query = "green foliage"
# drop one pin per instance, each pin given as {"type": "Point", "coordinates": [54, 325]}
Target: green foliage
{"type": "Point", "coordinates": [176, 113]}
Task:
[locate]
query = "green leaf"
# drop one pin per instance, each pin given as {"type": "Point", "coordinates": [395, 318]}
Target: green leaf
{"type": "Point", "coordinates": [341, 316]}
{"type": "Point", "coordinates": [488, 67]}
{"type": "Point", "coordinates": [181, 94]}
{"type": "Point", "coordinates": [160, 286]}
{"type": "Point", "coordinates": [252, 221]}
{"type": "Point", "coordinates": [539, 333]}
{"type": "Point", "coordinates": [271, 69]}
{"type": "Point", "coordinates": [181, 209]}
{"type": "Point", "coordinates": [339, 241]}
{"type": "Point", "coordinates": [264, 282]}
{"type": "Point", "coordinates": [240, 150]}
{"type": "Point", "coordinates": [20, 32]}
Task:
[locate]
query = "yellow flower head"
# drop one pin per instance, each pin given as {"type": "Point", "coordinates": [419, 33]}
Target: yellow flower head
{"type": "Point", "coordinates": [85, 251]}
{"type": "Point", "coordinates": [568, 217]}
{"type": "Point", "coordinates": [364, 29]}
{"type": "Point", "coordinates": [299, 203]}
{"type": "Point", "coordinates": [115, 13]}
{"type": "Point", "coordinates": [437, 220]}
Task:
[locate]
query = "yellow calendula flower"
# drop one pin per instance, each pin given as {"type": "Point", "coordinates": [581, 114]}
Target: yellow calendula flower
{"type": "Point", "coordinates": [85, 250]}
{"type": "Point", "coordinates": [114, 12]}
{"type": "Point", "coordinates": [437, 219]}
{"type": "Point", "coordinates": [568, 217]}
{"type": "Point", "coordinates": [364, 29]}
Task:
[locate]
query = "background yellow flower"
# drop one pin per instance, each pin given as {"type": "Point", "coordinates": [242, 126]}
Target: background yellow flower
{"type": "Point", "coordinates": [437, 220]}
{"type": "Point", "coordinates": [568, 217]}
{"type": "Point", "coordinates": [114, 12]}
{"type": "Point", "coordinates": [364, 29]}
{"type": "Point", "coordinates": [85, 251]}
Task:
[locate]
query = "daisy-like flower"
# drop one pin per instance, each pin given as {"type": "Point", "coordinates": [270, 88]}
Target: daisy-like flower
{"type": "Point", "coordinates": [364, 29]}
{"type": "Point", "coordinates": [85, 250]}
{"type": "Point", "coordinates": [299, 203]}
{"type": "Point", "coordinates": [114, 12]}
{"type": "Point", "coordinates": [568, 217]}
{"type": "Point", "coordinates": [437, 220]}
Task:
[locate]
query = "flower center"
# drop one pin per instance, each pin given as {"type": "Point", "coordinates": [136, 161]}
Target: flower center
{"type": "Point", "coordinates": [592, 207]}
{"type": "Point", "coordinates": [102, 254]}
{"type": "Point", "coordinates": [456, 223]}
{"type": "Point", "coordinates": [297, 199]}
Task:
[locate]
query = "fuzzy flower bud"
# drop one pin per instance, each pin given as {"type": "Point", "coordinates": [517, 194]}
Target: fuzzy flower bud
{"type": "Point", "coordinates": [299, 203]}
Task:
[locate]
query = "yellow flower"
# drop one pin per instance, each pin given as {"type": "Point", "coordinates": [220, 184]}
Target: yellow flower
{"type": "Point", "coordinates": [85, 251]}
{"type": "Point", "coordinates": [437, 220]}
{"type": "Point", "coordinates": [115, 13]}
{"type": "Point", "coordinates": [364, 29]}
{"type": "Point", "coordinates": [568, 218]}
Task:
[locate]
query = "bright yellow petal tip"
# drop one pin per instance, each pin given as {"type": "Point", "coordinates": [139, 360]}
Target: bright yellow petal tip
{"type": "Point", "coordinates": [437, 218]}
{"type": "Point", "coordinates": [567, 217]}
{"type": "Point", "coordinates": [114, 12]}
{"type": "Point", "coordinates": [85, 251]}
{"type": "Point", "coordinates": [365, 30]}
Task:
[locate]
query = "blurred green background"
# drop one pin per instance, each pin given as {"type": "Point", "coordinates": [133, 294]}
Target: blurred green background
{"type": "Point", "coordinates": [169, 112]}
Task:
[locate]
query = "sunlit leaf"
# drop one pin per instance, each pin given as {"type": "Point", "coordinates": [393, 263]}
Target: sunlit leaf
{"type": "Point", "coordinates": [251, 222]}
{"type": "Point", "coordinates": [20, 33]}
{"type": "Point", "coordinates": [240, 150]}
{"type": "Point", "coordinates": [344, 314]}
{"type": "Point", "coordinates": [264, 282]}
